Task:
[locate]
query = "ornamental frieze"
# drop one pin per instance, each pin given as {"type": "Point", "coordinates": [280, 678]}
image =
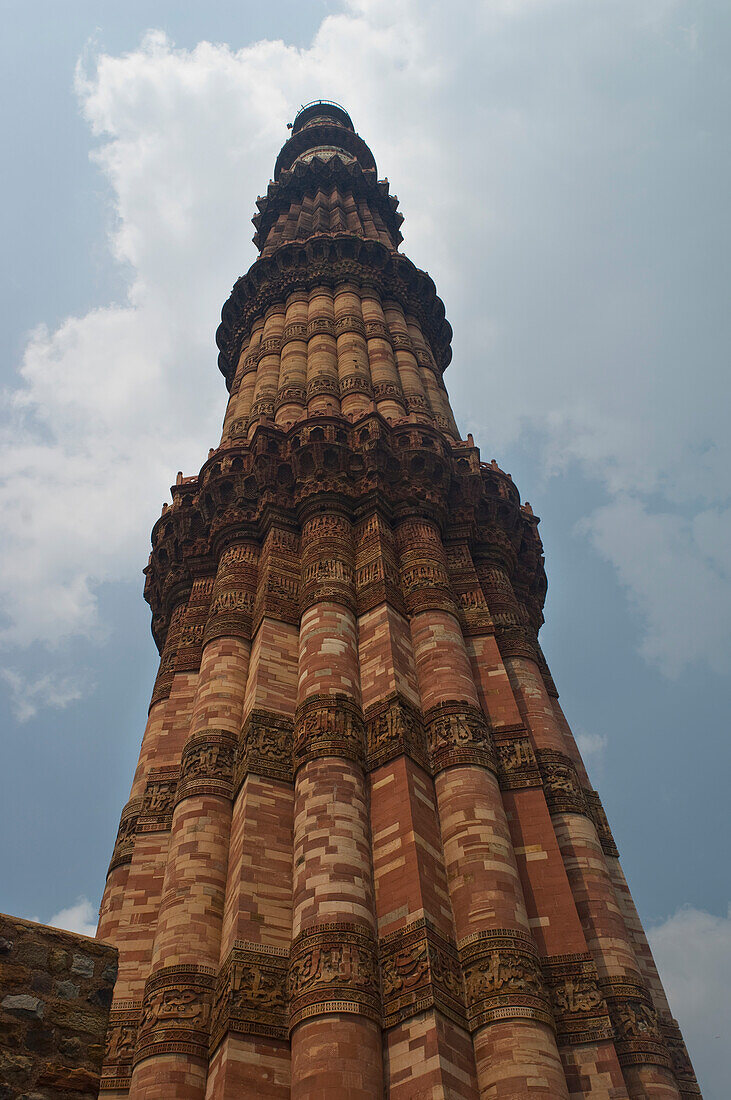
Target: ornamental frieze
{"type": "Point", "coordinates": [356, 383]}
{"type": "Point", "coordinates": [265, 747]}
{"type": "Point", "coordinates": [328, 725]}
{"type": "Point", "coordinates": [295, 330]}
{"type": "Point", "coordinates": [333, 968]}
{"type": "Point", "coordinates": [349, 323]}
{"type": "Point", "coordinates": [679, 1060]}
{"type": "Point", "coordinates": [564, 793]}
{"type": "Point", "coordinates": [290, 395]}
{"type": "Point", "coordinates": [207, 764]}
{"type": "Point", "coordinates": [517, 764]}
{"type": "Point", "coordinates": [176, 1012]}
{"type": "Point", "coordinates": [320, 326]}
{"type": "Point", "coordinates": [638, 1037]}
{"type": "Point", "coordinates": [388, 391]}
{"type": "Point", "coordinates": [251, 993]}
{"type": "Point", "coordinates": [458, 734]}
{"type": "Point", "coordinates": [420, 970]}
{"type": "Point", "coordinates": [158, 801]}
{"type": "Point", "coordinates": [119, 1045]}
{"type": "Point", "coordinates": [503, 978]}
{"type": "Point", "coordinates": [579, 1008]}
{"type": "Point", "coordinates": [394, 727]}
{"type": "Point", "coordinates": [125, 840]}
{"type": "Point", "coordinates": [601, 823]}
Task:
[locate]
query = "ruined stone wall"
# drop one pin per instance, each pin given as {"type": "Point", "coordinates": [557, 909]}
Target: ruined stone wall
{"type": "Point", "coordinates": [55, 993]}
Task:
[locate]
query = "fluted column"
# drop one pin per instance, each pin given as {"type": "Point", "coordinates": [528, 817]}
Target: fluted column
{"type": "Point", "coordinates": [423, 1002]}
{"type": "Point", "coordinates": [333, 986]}
{"type": "Point", "coordinates": [387, 389]}
{"type": "Point", "coordinates": [250, 1051]}
{"type": "Point", "coordinates": [408, 368]}
{"type": "Point", "coordinates": [129, 908]}
{"type": "Point", "coordinates": [323, 387]}
{"type": "Point", "coordinates": [291, 396]}
{"type": "Point", "coordinates": [267, 370]}
{"type": "Point", "coordinates": [172, 1047]}
{"type": "Point", "coordinates": [584, 1032]}
{"type": "Point", "coordinates": [644, 1059]}
{"type": "Point", "coordinates": [507, 1004]}
{"type": "Point", "coordinates": [356, 391]}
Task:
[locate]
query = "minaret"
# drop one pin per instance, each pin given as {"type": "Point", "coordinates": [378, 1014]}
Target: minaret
{"type": "Point", "coordinates": [361, 856]}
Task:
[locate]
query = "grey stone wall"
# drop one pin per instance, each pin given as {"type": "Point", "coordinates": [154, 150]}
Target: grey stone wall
{"type": "Point", "coordinates": [55, 993]}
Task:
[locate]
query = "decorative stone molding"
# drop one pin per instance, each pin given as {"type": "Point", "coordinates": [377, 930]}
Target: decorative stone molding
{"type": "Point", "coordinates": [207, 764]}
{"type": "Point", "coordinates": [419, 971]}
{"type": "Point", "coordinates": [328, 725]}
{"type": "Point", "coordinates": [638, 1038]}
{"type": "Point", "coordinates": [333, 968]}
{"type": "Point", "coordinates": [158, 801]}
{"type": "Point", "coordinates": [601, 823]}
{"type": "Point", "coordinates": [679, 1060]}
{"type": "Point", "coordinates": [458, 733]}
{"type": "Point", "coordinates": [579, 1008]}
{"type": "Point", "coordinates": [503, 978]}
{"type": "Point", "coordinates": [561, 783]}
{"type": "Point", "coordinates": [516, 760]}
{"type": "Point", "coordinates": [125, 841]}
{"type": "Point", "coordinates": [395, 727]}
{"type": "Point", "coordinates": [265, 747]}
{"type": "Point", "coordinates": [176, 1012]}
{"type": "Point", "coordinates": [251, 993]}
{"type": "Point", "coordinates": [119, 1047]}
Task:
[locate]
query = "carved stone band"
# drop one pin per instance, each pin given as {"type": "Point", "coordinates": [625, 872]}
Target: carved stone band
{"type": "Point", "coordinates": [125, 842]}
{"type": "Point", "coordinates": [503, 978]}
{"type": "Point", "coordinates": [119, 1049]}
{"type": "Point", "coordinates": [328, 725]}
{"type": "Point", "coordinates": [579, 1008]}
{"type": "Point", "coordinates": [681, 1063]}
{"type": "Point", "coordinates": [458, 733]}
{"type": "Point", "coordinates": [564, 794]}
{"type": "Point", "coordinates": [250, 997]}
{"type": "Point", "coordinates": [420, 970]}
{"type": "Point", "coordinates": [395, 727]}
{"type": "Point", "coordinates": [596, 812]}
{"type": "Point", "coordinates": [207, 764]}
{"type": "Point", "coordinates": [638, 1038]}
{"type": "Point", "coordinates": [517, 764]}
{"type": "Point", "coordinates": [333, 968]}
{"type": "Point", "coordinates": [176, 1012]}
{"type": "Point", "coordinates": [156, 811]}
{"type": "Point", "coordinates": [265, 747]}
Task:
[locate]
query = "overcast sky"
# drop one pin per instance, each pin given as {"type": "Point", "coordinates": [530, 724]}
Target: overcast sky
{"type": "Point", "coordinates": [563, 168]}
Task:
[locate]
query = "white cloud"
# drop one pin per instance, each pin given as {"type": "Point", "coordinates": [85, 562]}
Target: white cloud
{"type": "Point", "coordinates": [592, 747]}
{"type": "Point", "coordinates": [51, 691]}
{"type": "Point", "coordinates": [692, 949]}
{"type": "Point", "coordinates": [541, 152]}
{"type": "Point", "coordinates": [81, 917]}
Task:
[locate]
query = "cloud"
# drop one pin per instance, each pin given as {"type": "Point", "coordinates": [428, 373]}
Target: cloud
{"type": "Point", "coordinates": [592, 747]}
{"type": "Point", "coordinates": [692, 949]}
{"type": "Point", "coordinates": [81, 917]}
{"type": "Point", "coordinates": [51, 691]}
{"type": "Point", "coordinates": [543, 154]}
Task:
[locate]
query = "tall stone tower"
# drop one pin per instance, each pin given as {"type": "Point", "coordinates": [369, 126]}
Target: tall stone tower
{"type": "Point", "coordinates": [362, 856]}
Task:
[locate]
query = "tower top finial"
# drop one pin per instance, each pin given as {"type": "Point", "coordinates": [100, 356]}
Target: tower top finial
{"type": "Point", "coordinates": [323, 127]}
{"type": "Point", "coordinates": [322, 110]}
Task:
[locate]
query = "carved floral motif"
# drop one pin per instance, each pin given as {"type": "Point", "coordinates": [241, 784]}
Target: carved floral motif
{"type": "Point", "coordinates": [420, 970]}
{"type": "Point", "coordinates": [176, 1011]}
{"type": "Point", "coordinates": [251, 997]}
{"type": "Point", "coordinates": [561, 783]}
{"type": "Point", "coordinates": [265, 747]}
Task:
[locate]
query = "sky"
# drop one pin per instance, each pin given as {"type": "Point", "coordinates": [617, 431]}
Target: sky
{"type": "Point", "coordinates": [563, 168]}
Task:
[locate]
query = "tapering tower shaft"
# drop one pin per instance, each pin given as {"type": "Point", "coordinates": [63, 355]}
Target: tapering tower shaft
{"type": "Point", "coordinates": [361, 855]}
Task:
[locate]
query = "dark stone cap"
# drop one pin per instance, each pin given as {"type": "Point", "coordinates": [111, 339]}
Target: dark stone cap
{"type": "Point", "coordinates": [323, 128]}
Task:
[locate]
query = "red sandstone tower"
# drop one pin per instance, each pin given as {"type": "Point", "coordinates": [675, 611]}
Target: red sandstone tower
{"type": "Point", "coordinates": [361, 856]}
